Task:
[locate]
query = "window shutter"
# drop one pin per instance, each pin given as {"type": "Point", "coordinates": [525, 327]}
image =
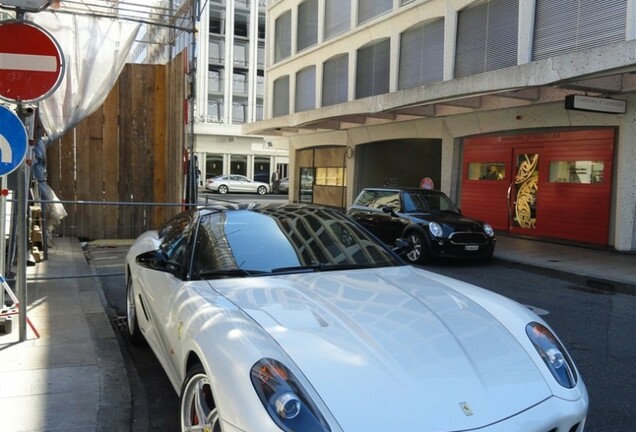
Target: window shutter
{"type": "Point", "coordinates": [487, 37]}
{"type": "Point", "coordinates": [337, 17]}
{"type": "Point", "coordinates": [307, 29]}
{"type": "Point", "coordinates": [422, 55]}
{"type": "Point", "coordinates": [369, 9]}
{"type": "Point", "coordinates": [281, 97]}
{"type": "Point", "coordinates": [282, 37]}
{"type": "Point", "coordinates": [565, 26]}
{"type": "Point", "coordinates": [306, 89]}
{"type": "Point", "coordinates": [372, 69]}
{"type": "Point", "coordinates": [335, 79]}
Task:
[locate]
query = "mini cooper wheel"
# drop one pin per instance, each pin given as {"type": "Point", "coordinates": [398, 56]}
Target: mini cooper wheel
{"type": "Point", "coordinates": [198, 410]}
{"type": "Point", "coordinates": [223, 189]}
{"type": "Point", "coordinates": [262, 190]}
{"type": "Point", "coordinates": [131, 315]}
{"type": "Point", "coordinates": [419, 252]}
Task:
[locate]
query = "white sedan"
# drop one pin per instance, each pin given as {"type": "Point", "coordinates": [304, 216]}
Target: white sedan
{"type": "Point", "coordinates": [235, 183]}
{"type": "Point", "coordinates": [293, 318]}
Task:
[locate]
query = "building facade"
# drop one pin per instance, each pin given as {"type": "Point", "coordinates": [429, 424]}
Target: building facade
{"type": "Point", "coordinates": [523, 111]}
{"type": "Point", "coordinates": [230, 83]}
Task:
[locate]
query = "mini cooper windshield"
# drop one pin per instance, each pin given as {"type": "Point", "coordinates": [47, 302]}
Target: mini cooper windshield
{"type": "Point", "coordinates": [272, 240]}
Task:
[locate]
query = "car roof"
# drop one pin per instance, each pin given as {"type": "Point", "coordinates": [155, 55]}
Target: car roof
{"type": "Point", "coordinates": [403, 189]}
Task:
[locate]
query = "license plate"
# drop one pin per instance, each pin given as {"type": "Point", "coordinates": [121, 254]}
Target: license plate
{"type": "Point", "coordinates": [471, 247]}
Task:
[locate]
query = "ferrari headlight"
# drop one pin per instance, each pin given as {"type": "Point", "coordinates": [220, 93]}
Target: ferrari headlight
{"type": "Point", "coordinates": [435, 229]}
{"type": "Point", "coordinates": [286, 401]}
{"type": "Point", "coordinates": [553, 354]}
{"type": "Point", "coordinates": [488, 230]}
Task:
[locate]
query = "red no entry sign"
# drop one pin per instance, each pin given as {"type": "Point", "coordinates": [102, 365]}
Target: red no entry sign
{"type": "Point", "coordinates": [30, 62]}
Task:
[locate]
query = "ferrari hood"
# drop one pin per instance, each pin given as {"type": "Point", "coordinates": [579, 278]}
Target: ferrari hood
{"type": "Point", "coordinates": [393, 350]}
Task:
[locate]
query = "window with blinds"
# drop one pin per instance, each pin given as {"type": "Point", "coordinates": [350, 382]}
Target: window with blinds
{"type": "Point", "coordinates": [372, 69]}
{"type": "Point", "coordinates": [306, 89]}
{"type": "Point", "coordinates": [337, 17]}
{"type": "Point", "coordinates": [280, 105]}
{"type": "Point", "coordinates": [422, 55]}
{"type": "Point", "coordinates": [335, 80]}
{"type": "Point", "coordinates": [282, 37]}
{"type": "Point", "coordinates": [307, 28]}
{"type": "Point", "coordinates": [486, 37]}
{"type": "Point", "coordinates": [369, 9]}
{"type": "Point", "coordinates": [565, 26]}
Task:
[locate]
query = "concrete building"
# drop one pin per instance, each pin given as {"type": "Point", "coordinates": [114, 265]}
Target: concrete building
{"type": "Point", "coordinates": [230, 87]}
{"type": "Point", "coordinates": [439, 92]}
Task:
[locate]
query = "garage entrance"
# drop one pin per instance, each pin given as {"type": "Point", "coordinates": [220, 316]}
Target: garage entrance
{"type": "Point", "coordinates": [549, 185]}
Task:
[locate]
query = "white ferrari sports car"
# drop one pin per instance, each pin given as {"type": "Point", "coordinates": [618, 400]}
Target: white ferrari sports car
{"type": "Point", "coordinates": [295, 318]}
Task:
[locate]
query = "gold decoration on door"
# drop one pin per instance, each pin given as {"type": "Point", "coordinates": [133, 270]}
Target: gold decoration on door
{"type": "Point", "coordinates": [526, 185]}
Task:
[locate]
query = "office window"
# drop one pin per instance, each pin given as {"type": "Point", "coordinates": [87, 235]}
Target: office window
{"type": "Point", "coordinates": [260, 56]}
{"type": "Point", "coordinates": [372, 69]}
{"type": "Point", "coordinates": [239, 112]}
{"type": "Point", "coordinates": [422, 55]}
{"type": "Point", "coordinates": [216, 51]}
{"type": "Point", "coordinates": [240, 53]}
{"type": "Point", "coordinates": [282, 37]}
{"type": "Point", "coordinates": [261, 26]}
{"type": "Point", "coordinates": [215, 80]}
{"type": "Point", "coordinates": [306, 89]}
{"type": "Point", "coordinates": [281, 97]}
{"type": "Point", "coordinates": [564, 26]}
{"type": "Point", "coordinates": [241, 24]}
{"type": "Point", "coordinates": [307, 29]}
{"type": "Point", "coordinates": [217, 21]}
{"type": "Point", "coordinates": [335, 80]}
{"type": "Point", "coordinates": [368, 9]}
{"type": "Point", "coordinates": [239, 82]}
{"type": "Point", "coordinates": [486, 37]}
{"type": "Point", "coordinates": [215, 110]}
{"type": "Point", "coordinates": [337, 17]}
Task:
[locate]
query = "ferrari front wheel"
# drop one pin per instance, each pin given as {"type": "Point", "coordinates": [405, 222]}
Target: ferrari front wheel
{"type": "Point", "coordinates": [198, 410]}
{"type": "Point", "coordinates": [131, 315]}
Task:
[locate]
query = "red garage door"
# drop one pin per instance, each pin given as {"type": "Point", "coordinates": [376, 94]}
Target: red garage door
{"type": "Point", "coordinates": [550, 185]}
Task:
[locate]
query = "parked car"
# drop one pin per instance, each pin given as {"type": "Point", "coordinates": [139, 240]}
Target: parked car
{"type": "Point", "coordinates": [428, 219]}
{"type": "Point", "coordinates": [294, 318]}
{"type": "Point", "coordinates": [235, 183]}
{"type": "Point", "coordinates": [283, 186]}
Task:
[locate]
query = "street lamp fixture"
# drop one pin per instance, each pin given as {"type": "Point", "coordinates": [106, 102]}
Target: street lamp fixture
{"type": "Point", "coordinates": [27, 5]}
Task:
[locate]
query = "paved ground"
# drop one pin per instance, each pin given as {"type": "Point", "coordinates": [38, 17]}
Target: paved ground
{"type": "Point", "coordinates": [73, 378]}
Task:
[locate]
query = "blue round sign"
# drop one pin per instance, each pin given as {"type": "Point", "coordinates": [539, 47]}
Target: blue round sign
{"type": "Point", "coordinates": [13, 141]}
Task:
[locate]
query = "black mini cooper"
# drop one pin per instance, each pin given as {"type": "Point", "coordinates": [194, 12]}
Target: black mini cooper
{"type": "Point", "coordinates": [428, 219]}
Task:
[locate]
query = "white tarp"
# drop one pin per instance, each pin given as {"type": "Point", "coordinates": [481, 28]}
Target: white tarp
{"type": "Point", "coordinates": [95, 50]}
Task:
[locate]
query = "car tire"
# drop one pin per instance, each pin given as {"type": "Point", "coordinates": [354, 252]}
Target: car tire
{"type": "Point", "coordinates": [420, 253]}
{"type": "Point", "coordinates": [196, 403]}
{"type": "Point", "coordinates": [262, 190]}
{"type": "Point", "coordinates": [134, 332]}
{"type": "Point", "coordinates": [223, 189]}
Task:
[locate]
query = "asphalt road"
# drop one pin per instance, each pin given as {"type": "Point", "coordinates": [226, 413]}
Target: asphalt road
{"type": "Point", "coordinates": [597, 327]}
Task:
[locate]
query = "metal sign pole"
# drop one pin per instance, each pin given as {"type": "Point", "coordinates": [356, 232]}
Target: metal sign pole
{"type": "Point", "coordinates": [3, 234]}
{"type": "Point", "coordinates": [21, 282]}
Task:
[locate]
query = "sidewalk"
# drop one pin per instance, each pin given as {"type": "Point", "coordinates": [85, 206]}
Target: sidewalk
{"type": "Point", "coordinates": [604, 270]}
{"type": "Point", "coordinates": [73, 377]}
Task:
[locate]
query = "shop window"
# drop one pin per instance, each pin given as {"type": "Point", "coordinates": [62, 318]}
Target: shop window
{"type": "Point", "coordinates": [238, 164]}
{"type": "Point", "coordinates": [213, 165]}
{"type": "Point", "coordinates": [486, 171]}
{"type": "Point", "coordinates": [307, 176]}
{"type": "Point", "coordinates": [261, 168]}
{"type": "Point", "coordinates": [586, 172]}
{"type": "Point", "coordinates": [330, 176]}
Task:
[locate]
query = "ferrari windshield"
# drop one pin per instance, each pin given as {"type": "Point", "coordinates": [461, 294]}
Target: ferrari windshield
{"type": "Point", "coordinates": [283, 239]}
